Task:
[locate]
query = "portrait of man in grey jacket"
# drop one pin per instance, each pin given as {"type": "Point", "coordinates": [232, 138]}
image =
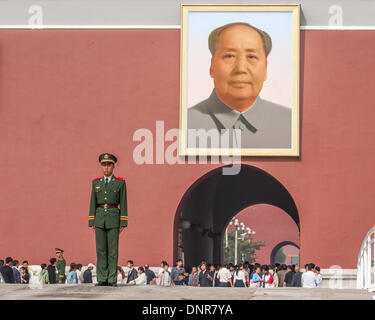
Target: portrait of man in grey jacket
{"type": "Point", "coordinates": [238, 69]}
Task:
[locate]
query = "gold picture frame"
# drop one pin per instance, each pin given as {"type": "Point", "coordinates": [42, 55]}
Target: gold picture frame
{"type": "Point", "coordinates": [293, 11]}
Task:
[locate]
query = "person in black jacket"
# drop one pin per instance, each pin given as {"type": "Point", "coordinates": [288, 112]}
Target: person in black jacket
{"type": "Point", "coordinates": [16, 273]}
{"type": "Point", "coordinates": [149, 273]}
{"type": "Point", "coordinates": [205, 277]}
{"type": "Point", "coordinates": [52, 271]}
{"type": "Point", "coordinates": [133, 273]}
{"type": "Point", "coordinates": [87, 275]}
{"type": "Point", "coordinates": [7, 271]}
{"type": "Point", "coordinates": [296, 281]}
{"type": "Point", "coordinates": [288, 277]}
{"type": "Point", "coordinates": [25, 276]}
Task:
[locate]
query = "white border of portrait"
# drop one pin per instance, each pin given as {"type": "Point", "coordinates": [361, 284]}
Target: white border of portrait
{"type": "Point", "coordinates": [294, 151]}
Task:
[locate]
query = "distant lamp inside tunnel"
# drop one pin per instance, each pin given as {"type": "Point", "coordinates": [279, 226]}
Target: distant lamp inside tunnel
{"type": "Point", "coordinates": [185, 224]}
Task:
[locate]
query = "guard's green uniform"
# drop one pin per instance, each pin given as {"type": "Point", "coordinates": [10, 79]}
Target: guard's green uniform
{"type": "Point", "coordinates": [60, 267]}
{"type": "Point", "coordinates": [107, 222]}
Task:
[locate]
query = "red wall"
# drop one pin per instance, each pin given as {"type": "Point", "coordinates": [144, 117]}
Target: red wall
{"type": "Point", "coordinates": [271, 225]}
{"type": "Point", "coordinates": [68, 95]}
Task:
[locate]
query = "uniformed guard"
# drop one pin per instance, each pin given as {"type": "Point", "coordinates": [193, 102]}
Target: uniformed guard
{"type": "Point", "coordinates": [60, 266]}
{"type": "Point", "coordinates": [108, 216]}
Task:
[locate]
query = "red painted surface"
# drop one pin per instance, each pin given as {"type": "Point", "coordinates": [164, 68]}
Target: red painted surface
{"type": "Point", "coordinates": [271, 225]}
{"type": "Point", "coordinates": [68, 95]}
{"type": "Point", "coordinates": [290, 251]}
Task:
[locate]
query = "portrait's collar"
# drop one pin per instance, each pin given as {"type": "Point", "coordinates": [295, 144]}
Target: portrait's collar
{"type": "Point", "coordinates": [225, 117]}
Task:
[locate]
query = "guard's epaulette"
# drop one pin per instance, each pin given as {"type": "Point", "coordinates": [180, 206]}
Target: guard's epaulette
{"type": "Point", "coordinates": [120, 178]}
{"type": "Point", "coordinates": [96, 179]}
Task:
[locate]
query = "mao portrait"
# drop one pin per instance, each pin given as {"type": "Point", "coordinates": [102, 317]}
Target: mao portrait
{"type": "Point", "coordinates": [232, 100]}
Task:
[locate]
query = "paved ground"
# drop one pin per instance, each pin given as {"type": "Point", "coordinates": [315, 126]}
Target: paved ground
{"type": "Point", "coordinates": [88, 291]}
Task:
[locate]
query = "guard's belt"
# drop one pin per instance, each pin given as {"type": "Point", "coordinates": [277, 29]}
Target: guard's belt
{"type": "Point", "coordinates": [106, 206]}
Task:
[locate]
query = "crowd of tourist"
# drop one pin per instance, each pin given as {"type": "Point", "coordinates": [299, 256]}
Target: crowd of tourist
{"type": "Point", "coordinates": [228, 275]}
{"type": "Point", "coordinates": [203, 275]}
{"type": "Point", "coordinates": [12, 272]}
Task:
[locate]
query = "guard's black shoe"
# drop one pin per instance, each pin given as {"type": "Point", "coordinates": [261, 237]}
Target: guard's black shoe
{"type": "Point", "coordinates": [112, 284]}
{"type": "Point", "coordinates": [101, 284]}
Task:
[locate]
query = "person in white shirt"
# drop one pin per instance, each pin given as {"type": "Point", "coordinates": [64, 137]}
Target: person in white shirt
{"type": "Point", "coordinates": [141, 279]}
{"type": "Point", "coordinates": [318, 277]}
{"type": "Point", "coordinates": [120, 275]}
{"type": "Point", "coordinates": [161, 269]}
{"type": "Point", "coordinates": [225, 277]}
{"type": "Point", "coordinates": [239, 279]}
{"type": "Point", "coordinates": [79, 273]}
{"type": "Point", "coordinates": [273, 271]}
{"type": "Point", "coordinates": [308, 278]}
{"type": "Point", "coordinates": [267, 278]}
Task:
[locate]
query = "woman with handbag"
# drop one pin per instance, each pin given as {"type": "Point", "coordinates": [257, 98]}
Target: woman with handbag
{"type": "Point", "coordinates": [256, 280]}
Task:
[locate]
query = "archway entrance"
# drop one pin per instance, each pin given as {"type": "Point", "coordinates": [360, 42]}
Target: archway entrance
{"type": "Point", "coordinates": [213, 200]}
{"type": "Point", "coordinates": [260, 228]}
{"type": "Point", "coordinates": [285, 244]}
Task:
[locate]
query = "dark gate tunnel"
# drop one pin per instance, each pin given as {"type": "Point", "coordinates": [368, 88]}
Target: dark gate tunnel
{"type": "Point", "coordinates": [208, 205]}
{"type": "Point", "coordinates": [278, 247]}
